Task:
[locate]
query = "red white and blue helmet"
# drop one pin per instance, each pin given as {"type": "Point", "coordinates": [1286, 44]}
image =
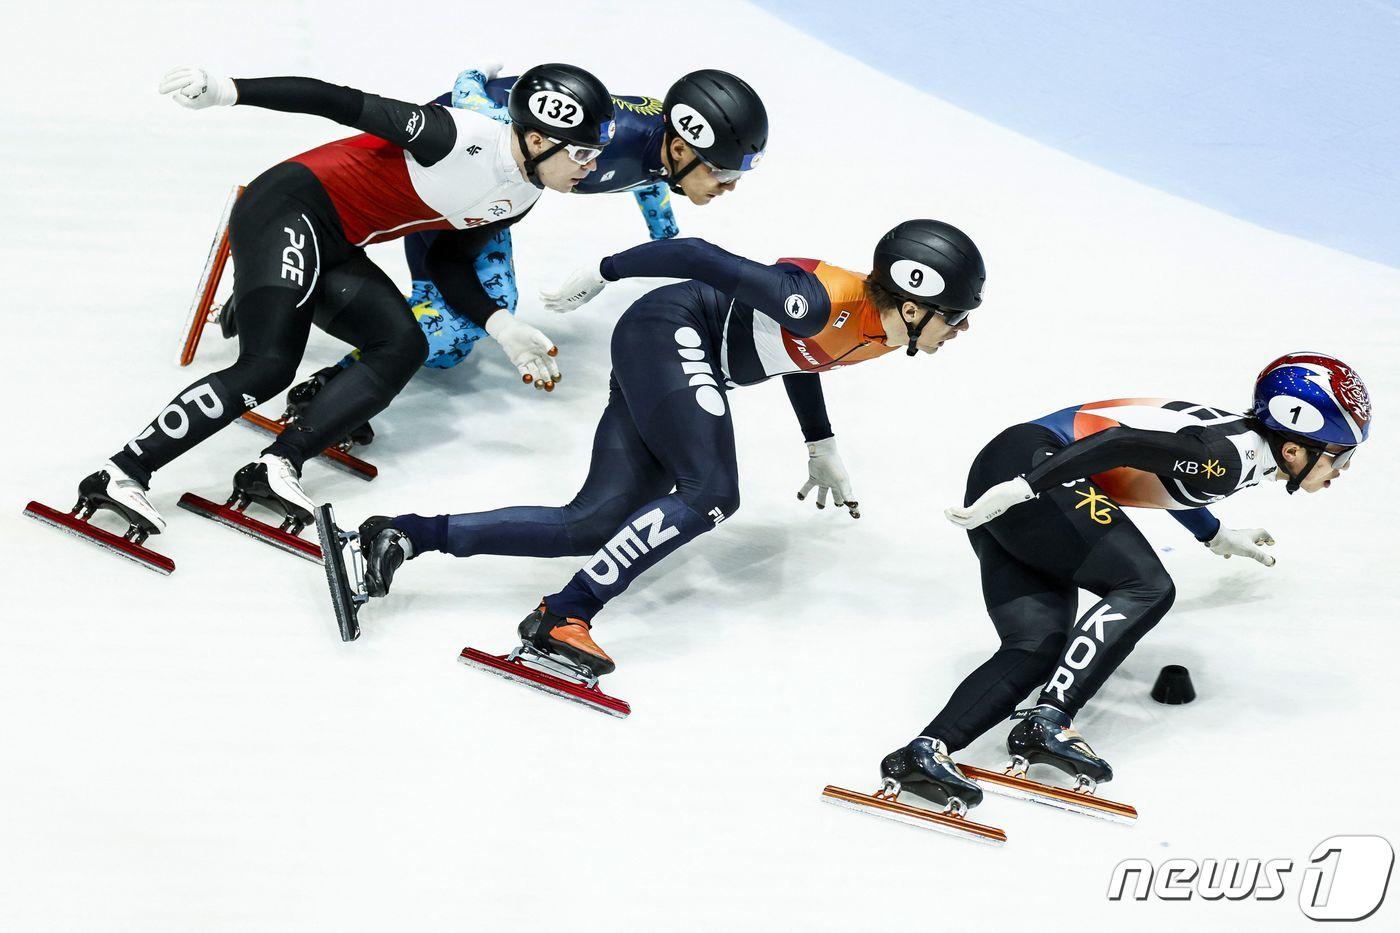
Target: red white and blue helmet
{"type": "Point", "coordinates": [1313, 398]}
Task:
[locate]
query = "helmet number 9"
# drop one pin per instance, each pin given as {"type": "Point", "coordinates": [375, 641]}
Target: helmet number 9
{"type": "Point", "coordinates": [916, 278]}
{"type": "Point", "coordinates": [689, 123]}
{"type": "Point", "coordinates": [555, 109]}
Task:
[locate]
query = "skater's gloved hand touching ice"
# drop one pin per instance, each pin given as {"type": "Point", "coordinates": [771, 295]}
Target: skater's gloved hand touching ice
{"type": "Point", "coordinates": [1243, 542]}
{"type": "Point", "coordinates": [576, 291]}
{"type": "Point", "coordinates": [196, 88]}
{"type": "Point", "coordinates": [530, 351]}
{"type": "Point", "coordinates": [991, 503]}
{"type": "Point", "coordinates": [827, 474]}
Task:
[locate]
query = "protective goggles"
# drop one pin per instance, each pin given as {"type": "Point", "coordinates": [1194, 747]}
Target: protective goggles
{"type": "Point", "coordinates": [1340, 458]}
{"type": "Point", "coordinates": [950, 317]}
{"type": "Point", "coordinates": [580, 155]}
{"type": "Point", "coordinates": [725, 176]}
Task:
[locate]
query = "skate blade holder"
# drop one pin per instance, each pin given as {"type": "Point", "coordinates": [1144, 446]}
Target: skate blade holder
{"type": "Point", "coordinates": [231, 514]}
{"type": "Point", "coordinates": [530, 668]}
{"type": "Point", "coordinates": [347, 595]}
{"type": "Point", "coordinates": [952, 820]}
{"type": "Point", "coordinates": [79, 524]}
{"type": "Point", "coordinates": [1012, 782]}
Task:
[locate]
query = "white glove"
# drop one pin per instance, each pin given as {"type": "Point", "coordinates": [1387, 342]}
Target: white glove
{"type": "Point", "coordinates": [488, 70]}
{"type": "Point", "coordinates": [531, 351]}
{"type": "Point", "coordinates": [196, 88]}
{"type": "Point", "coordinates": [576, 291]}
{"type": "Point", "coordinates": [1243, 542]}
{"type": "Point", "coordinates": [991, 503]}
{"type": "Point", "coordinates": [827, 473]}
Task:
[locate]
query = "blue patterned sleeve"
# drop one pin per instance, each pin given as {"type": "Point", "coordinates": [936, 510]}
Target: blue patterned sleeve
{"type": "Point", "coordinates": [655, 204]}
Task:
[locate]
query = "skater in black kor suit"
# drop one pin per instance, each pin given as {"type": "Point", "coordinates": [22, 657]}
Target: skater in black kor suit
{"type": "Point", "coordinates": [1064, 528]}
{"type": "Point", "coordinates": [297, 238]}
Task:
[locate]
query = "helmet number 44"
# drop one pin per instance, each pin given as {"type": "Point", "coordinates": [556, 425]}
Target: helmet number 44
{"type": "Point", "coordinates": [696, 128]}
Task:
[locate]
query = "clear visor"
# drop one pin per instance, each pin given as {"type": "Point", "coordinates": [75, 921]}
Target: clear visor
{"type": "Point", "coordinates": [1340, 458]}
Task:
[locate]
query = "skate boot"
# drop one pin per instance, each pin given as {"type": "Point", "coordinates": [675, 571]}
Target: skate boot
{"type": "Point", "coordinates": [273, 483]}
{"type": "Point", "coordinates": [384, 548]}
{"type": "Point", "coordinates": [923, 767]}
{"type": "Point", "coordinates": [1044, 737]}
{"type": "Point", "coordinates": [565, 641]}
{"type": "Point", "coordinates": [110, 488]}
{"type": "Point", "coordinates": [300, 395]}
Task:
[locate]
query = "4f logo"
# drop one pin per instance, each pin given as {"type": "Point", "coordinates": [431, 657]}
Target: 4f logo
{"type": "Point", "coordinates": [473, 150]}
{"type": "Point", "coordinates": [1100, 507]}
{"type": "Point", "coordinates": [628, 545]}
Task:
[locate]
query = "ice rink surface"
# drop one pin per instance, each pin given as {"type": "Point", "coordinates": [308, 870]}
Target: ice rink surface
{"type": "Point", "coordinates": [200, 752]}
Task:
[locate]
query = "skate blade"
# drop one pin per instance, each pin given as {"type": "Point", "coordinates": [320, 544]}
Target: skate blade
{"type": "Point", "coordinates": [334, 456]}
{"type": "Point", "coordinates": [65, 521]}
{"type": "Point", "coordinates": [522, 673]}
{"type": "Point", "coordinates": [208, 283]}
{"type": "Point", "coordinates": [1061, 798]}
{"type": "Point", "coordinates": [268, 534]}
{"type": "Point", "coordinates": [914, 816]}
{"type": "Point", "coordinates": [342, 599]}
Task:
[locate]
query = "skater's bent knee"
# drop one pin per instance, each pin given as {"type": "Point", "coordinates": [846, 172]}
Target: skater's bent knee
{"type": "Point", "coordinates": [262, 376]}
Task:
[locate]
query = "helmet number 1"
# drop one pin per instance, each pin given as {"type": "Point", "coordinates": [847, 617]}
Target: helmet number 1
{"type": "Point", "coordinates": [1296, 412]}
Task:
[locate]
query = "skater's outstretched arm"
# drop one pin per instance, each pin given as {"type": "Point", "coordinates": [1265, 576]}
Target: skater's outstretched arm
{"type": "Point", "coordinates": [804, 391]}
{"type": "Point", "coordinates": [1210, 463]}
{"type": "Point", "coordinates": [427, 132]}
{"type": "Point", "coordinates": [1200, 522]}
{"type": "Point", "coordinates": [790, 295]}
{"type": "Point", "coordinates": [768, 289]}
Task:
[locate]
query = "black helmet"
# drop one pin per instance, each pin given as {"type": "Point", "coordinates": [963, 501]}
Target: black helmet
{"type": "Point", "coordinates": [720, 117]}
{"type": "Point", "coordinates": [934, 264]}
{"type": "Point", "coordinates": [565, 103]}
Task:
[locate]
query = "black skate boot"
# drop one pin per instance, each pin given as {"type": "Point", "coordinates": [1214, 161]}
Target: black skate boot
{"type": "Point", "coordinates": [923, 767]}
{"type": "Point", "coordinates": [273, 483]}
{"type": "Point", "coordinates": [565, 641]}
{"type": "Point", "coordinates": [300, 395]}
{"type": "Point", "coordinates": [384, 548]}
{"type": "Point", "coordinates": [1044, 737]}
